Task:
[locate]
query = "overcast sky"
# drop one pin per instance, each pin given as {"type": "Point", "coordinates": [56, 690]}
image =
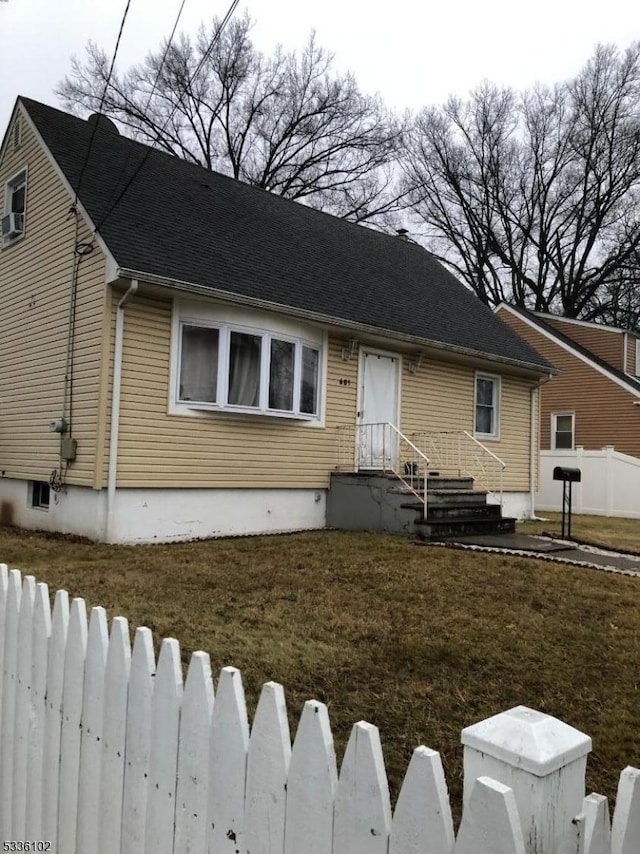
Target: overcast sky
{"type": "Point", "coordinates": [413, 52]}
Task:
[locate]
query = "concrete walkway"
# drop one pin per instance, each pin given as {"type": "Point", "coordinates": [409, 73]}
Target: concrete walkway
{"type": "Point", "coordinates": [544, 548]}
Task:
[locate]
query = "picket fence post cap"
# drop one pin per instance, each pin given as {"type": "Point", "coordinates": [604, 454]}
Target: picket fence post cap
{"type": "Point", "coordinates": [527, 739]}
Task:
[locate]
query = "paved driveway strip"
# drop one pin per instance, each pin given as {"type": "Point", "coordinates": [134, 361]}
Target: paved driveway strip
{"type": "Point", "coordinates": [543, 548]}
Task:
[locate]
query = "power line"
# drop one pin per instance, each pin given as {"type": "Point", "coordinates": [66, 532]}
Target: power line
{"type": "Point", "coordinates": [146, 107]}
{"type": "Point", "coordinates": [214, 41]}
{"type": "Point", "coordinates": [104, 94]}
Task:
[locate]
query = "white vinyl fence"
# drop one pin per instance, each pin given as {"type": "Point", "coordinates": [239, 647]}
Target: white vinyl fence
{"type": "Point", "coordinates": [102, 750]}
{"type": "Point", "coordinates": [610, 484]}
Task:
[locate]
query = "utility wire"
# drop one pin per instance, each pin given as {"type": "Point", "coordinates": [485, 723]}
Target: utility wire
{"type": "Point", "coordinates": [146, 107]}
{"type": "Point", "coordinates": [104, 94]}
{"type": "Point", "coordinates": [214, 41]}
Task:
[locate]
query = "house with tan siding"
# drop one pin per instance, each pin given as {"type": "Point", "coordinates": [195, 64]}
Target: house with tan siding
{"type": "Point", "coordinates": [183, 355]}
{"type": "Point", "coordinates": [590, 410]}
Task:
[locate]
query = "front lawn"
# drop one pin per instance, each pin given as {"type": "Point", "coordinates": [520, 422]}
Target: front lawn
{"type": "Point", "coordinates": [420, 641]}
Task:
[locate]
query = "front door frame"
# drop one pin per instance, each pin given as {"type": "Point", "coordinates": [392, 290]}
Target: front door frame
{"type": "Point", "coordinates": [360, 398]}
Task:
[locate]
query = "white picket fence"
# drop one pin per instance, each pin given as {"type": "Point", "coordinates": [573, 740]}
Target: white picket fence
{"type": "Point", "coordinates": [101, 751]}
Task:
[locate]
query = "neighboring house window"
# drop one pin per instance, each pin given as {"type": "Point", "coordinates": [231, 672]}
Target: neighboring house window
{"type": "Point", "coordinates": [637, 357]}
{"type": "Point", "coordinates": [226, 366]}
{"type": "Point", "coordinates": [14, 207]}
{"type": "Point", "coordinates": [40, 494]}
{"type": "Point", "coordinates": [562, 431]}
{"type": "Point", "coordinates": [487, 406]}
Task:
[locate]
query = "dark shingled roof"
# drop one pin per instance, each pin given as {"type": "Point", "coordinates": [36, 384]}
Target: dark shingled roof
{"type": "Point", "coordinates": [184, 223]}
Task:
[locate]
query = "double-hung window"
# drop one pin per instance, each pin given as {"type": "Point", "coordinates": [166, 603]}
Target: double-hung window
{"type": "Point", "coordinates": [235, 368]}
{"type": "Point", "coordinates": [15, 197]}
{"type": "Point", "coordinates": [487, 406]}
{"type": "Point", "coordinates": [563, 431]}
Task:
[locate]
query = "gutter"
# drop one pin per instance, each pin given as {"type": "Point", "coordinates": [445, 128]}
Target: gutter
{"type": "Point", "coordinates": [305, 314]}
{"type": "Point", "coordinates": [115, 407]}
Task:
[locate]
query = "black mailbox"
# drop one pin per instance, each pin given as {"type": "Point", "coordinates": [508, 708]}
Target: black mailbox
{"type": "Point", "coordinates": [567, 474]}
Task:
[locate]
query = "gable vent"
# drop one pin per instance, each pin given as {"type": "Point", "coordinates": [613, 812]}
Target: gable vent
{"type": "Point", "coordinates": [17, 133]}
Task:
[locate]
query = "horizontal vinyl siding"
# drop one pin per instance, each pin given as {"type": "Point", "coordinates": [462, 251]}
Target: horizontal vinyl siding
{"type": "Point", "coordinates": [439, 397]}
{"type": "Point", "coordinates": [221, 449]}
{"type": "Point", "coordinates": [35, 281]}
{"type": "Point", "coordinates": [514, 446]}
{"type": "Point", "coordinates": [605, 412]}
{"type": "Point", "coordinates": [605, 343]}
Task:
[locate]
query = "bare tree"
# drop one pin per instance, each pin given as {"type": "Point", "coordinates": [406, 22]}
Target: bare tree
{"type": "Point", "coordinates": [286, 122]}
{"type": "Point", "coordinates": [533, 198]}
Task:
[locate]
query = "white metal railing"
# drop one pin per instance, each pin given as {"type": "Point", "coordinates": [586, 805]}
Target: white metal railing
{"type": "Point", "coordinates": [382, 447]}
{"type": "Point", "coordinates": [459, 453]}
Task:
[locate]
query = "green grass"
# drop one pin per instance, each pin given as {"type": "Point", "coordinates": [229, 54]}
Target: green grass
{"type": "Point", "coordinates": [608, 532]}
{"type": "Point", "coordinates": [420, 641]}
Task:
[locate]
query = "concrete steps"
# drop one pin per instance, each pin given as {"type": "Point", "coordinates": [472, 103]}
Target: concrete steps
{"type": "Point", "coordinates": [450, 528]}
{"type": "Point", "coordinates": [376, 501]}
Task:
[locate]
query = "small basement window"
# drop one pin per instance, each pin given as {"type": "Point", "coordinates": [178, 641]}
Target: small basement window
{"type": "Point", "coordinates": [40, 492]}
{"type": "Point", "coordinates": [563, 431]}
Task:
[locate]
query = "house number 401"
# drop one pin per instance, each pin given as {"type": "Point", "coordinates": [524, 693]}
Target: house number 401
{"type": "Point", "coordinates": [344, 381]}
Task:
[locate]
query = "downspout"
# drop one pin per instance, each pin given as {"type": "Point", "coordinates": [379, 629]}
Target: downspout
{"type": "Point", "coordinates": [533, 433]}
{"type": "Point", "coordinates": [115, 407]}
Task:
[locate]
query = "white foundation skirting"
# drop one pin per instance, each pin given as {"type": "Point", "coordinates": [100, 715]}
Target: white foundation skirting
{"type": "Point", "coordinates": [164, 515]}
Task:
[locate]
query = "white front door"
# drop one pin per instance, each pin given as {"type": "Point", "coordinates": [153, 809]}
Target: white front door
{"type": "Point", "coordinates": [379, 385]}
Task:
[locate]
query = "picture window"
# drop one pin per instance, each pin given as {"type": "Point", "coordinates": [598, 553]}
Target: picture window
{"type": "Point", "coordinates": [223, 366]}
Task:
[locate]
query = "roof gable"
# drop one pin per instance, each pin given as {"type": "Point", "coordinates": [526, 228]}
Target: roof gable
{"type": "Point", "coordinates": [183, 223]}
{"type": "Point", "coordinates": [534, 319]}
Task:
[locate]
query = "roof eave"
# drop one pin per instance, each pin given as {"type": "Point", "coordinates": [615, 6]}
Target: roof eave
{"type": "Point", "coordinates": [318, 317]}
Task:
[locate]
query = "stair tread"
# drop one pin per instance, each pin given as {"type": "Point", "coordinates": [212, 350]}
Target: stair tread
{"type": "Point", "coordinates": [460, 521]}
{"type": "Point", "coordinates": [400, 490]}
{"type": "Point", "coordinates": [417, 505]}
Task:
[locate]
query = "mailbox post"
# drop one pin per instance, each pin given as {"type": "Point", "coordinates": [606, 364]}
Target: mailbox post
{"type": "Point", "coordinates": [568, 476]}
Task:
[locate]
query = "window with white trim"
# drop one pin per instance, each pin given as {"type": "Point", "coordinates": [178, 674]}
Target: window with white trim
{"type": "Point", "coordinates": [226, 366]}
{"type": "Point", "coordinates": [487, 406]}
{"type": "Point", "coordinates": [563, 428]}
{"type": "Point", "coordinates": [637, 371]}
{"type": "Point", "coordinates": [15, 196]}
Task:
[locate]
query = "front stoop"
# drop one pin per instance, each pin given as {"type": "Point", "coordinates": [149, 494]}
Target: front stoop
{"type": "Point", "coordinates": [374, 501]}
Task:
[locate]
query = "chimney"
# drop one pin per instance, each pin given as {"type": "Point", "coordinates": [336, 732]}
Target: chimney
{"type": "Point", "coordinates": [402, 233]}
